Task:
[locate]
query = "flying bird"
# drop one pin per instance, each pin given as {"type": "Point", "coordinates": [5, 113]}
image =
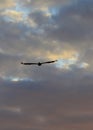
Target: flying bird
{"type": "Point", "coordinates": [39, 63]}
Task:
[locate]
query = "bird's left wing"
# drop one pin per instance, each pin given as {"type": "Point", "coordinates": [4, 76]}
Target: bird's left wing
{"type": "Point", "coordinates": [28, 63]}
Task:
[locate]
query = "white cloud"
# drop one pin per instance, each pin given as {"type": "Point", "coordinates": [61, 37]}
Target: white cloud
{"type": "Point", "coordinates": [13, 15]}
{"type": "Point", "coordinates": [11, 109]}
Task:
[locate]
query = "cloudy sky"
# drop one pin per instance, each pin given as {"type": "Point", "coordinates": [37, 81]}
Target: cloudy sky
{"type": "Point", "coordinates": [55, 96]}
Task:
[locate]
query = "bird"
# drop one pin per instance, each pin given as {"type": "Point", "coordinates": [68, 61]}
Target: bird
{"type": "Point", "coordinates": [37, 63]}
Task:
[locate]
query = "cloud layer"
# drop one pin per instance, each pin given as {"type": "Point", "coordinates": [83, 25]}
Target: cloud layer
{"type": "Point", "coordinates": [56, 105]}
{"type": "Point", "coordinates": [55, 96]}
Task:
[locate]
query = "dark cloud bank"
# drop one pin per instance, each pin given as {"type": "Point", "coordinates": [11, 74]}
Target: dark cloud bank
{"type": "Point", "coordinates": [63, 103]}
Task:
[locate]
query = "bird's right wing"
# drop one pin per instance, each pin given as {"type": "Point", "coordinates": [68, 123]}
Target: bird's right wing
{"type": "Point", "coordinates": [49, 62]}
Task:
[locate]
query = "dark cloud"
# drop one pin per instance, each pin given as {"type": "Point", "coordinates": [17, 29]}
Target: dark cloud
{"type": "Point", "coordinates": [73, 23]}
{"type": "Point", "coordinates": [35, 105]}
{"type": "Point", "coordinates": [39, 18]}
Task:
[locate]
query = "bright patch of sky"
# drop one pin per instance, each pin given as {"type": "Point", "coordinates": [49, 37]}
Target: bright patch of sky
{"type": "Point", "coordinates": [21, 13]}
{"type": "Point", "coordinates": [65, 63]}
{"type": "Point", "coordinates": [53, 11]}
{"type": "Point", "coordinates": [84, 65]}
{"type": "Point", "coordinates": [23, 9]}
{"type": "Point", "coordinates": [13, 14]}
{"type": "Point", "coordinates": [13, 109]}
{"type": "Point", "coordinates": [17, 79]}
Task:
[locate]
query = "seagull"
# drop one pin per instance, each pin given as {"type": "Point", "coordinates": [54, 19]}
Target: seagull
{"type": "Point", "coordinates": [38, 63]}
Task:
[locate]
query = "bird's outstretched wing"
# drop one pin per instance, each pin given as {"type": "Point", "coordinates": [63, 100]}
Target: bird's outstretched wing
{"type": "Point", "coordinates": [28, 63]}
{"type": "Point", "coordinates": [48, 62]}
{"type": "Point", "coordinates": [39, 63]}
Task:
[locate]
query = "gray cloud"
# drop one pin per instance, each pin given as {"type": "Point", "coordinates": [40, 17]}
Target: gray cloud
{"type": "Point", "coordinates": [71, 26]}
{"type": "Point", "coordinates": [39, 18]}
{"type": "Point", "coordinates": [45, 3]}
{"type": "Point", "coordinates": [73, 23]}
{"type": "Point", "coordinates": [46, 104]}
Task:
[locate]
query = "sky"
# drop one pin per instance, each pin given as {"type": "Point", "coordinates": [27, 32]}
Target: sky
{"type": "Point", "coordinates": [56, 96]}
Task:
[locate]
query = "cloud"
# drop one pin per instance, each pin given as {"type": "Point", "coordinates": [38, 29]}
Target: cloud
{"type": "Point", "coordinates": [70, 27]}
{"type": "Point", "coordinates": [18, 43]}
{"type": "Point", "coordinates": [13, 15]}
{"type": "Point", "coordinates": [40, 17]}
{"type": "Point", "coordinates": [46, 3]}
{"type": "Point", "coordinates": [14, 110]}
{"type": "Point", "coordinates": [74, 23]}
{"type": "Point", "coordinates": [61, 104]}
{"type": "Point", "coordinates": [7, 3]}
{"type": "Point", "coordinates": [53, 96]}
